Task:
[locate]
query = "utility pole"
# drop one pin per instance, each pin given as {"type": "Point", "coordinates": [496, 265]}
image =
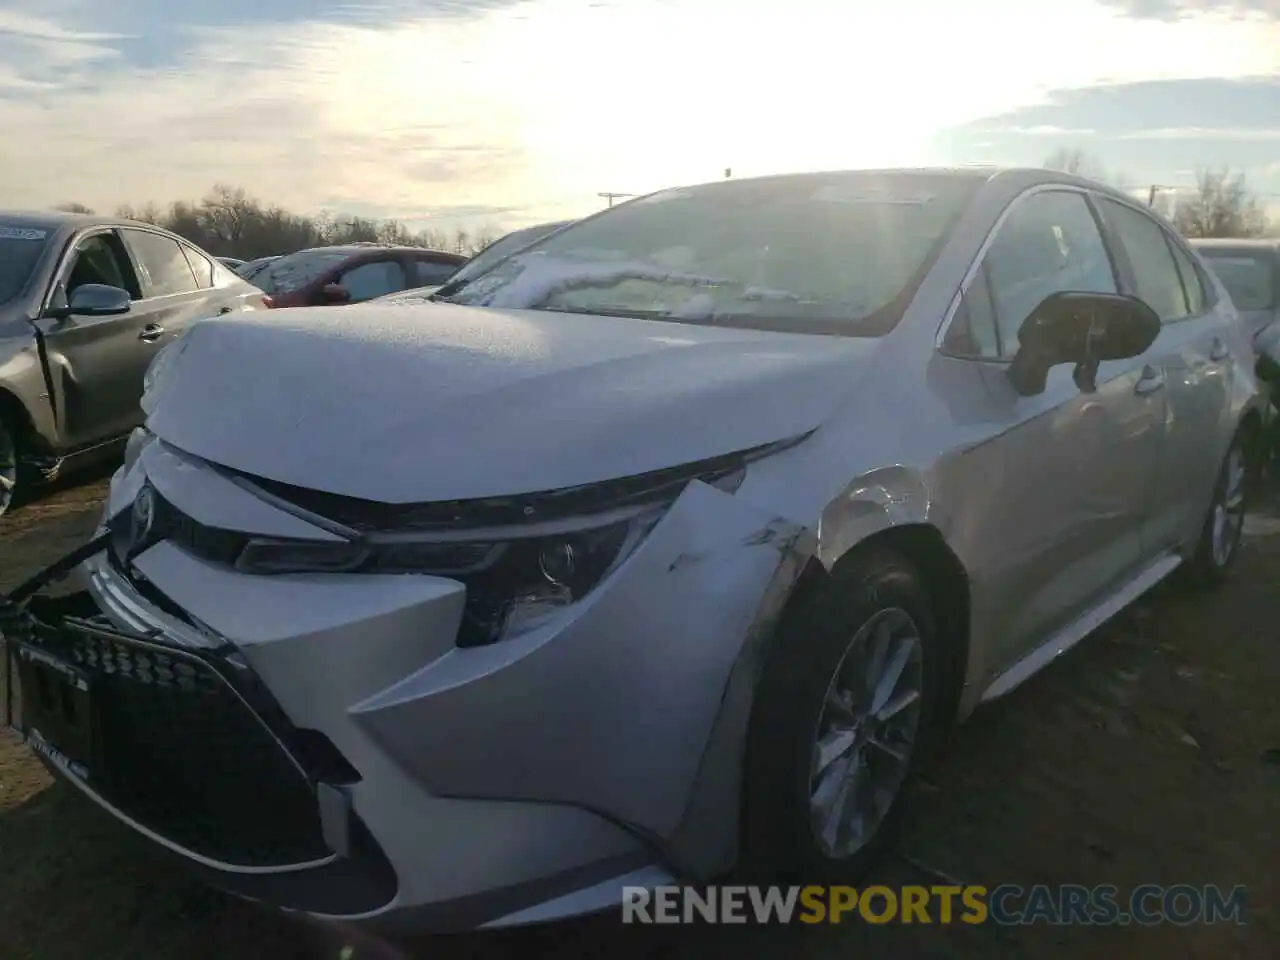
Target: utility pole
{"type": "Point", "coordinates": [613, 196]}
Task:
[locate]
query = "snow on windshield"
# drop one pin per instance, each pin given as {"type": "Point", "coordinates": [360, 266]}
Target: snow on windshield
{"type": "Point", "coordinates": [817, 247]}
{"type": "Point", "coordinates": [292, 272]}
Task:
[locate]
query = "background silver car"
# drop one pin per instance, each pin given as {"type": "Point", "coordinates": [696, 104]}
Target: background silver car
{"type": "Point", "coordinates": [673, 548]}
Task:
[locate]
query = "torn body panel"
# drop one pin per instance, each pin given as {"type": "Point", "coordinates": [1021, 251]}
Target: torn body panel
{"type": "Point", "coordinates": [611, 706]}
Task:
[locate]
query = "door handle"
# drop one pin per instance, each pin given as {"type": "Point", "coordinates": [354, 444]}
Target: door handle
{"type": "Point", "coordinates": [1152, 379]}
{"type": "Point", "coordinates": [1219, 351]}
{"type": "Point", "coordinates": [151, 333]}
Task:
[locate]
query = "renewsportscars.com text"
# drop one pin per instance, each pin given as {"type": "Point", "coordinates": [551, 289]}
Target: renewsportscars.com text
{"type": "Point", "coordinates": [1006, 905]}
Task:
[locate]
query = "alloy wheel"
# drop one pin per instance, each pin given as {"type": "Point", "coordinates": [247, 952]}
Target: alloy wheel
{"type": "Point", "coordinates": [866, 733]}
{"type": "Point", "coordinates": [1228, 508]}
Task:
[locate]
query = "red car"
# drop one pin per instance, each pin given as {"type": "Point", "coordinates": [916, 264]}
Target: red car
{"type": "Point", "coordinates": [351, 274]}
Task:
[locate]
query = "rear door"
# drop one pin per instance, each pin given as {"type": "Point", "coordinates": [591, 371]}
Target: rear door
{"type": "Point", "coordinates": [175, 296]}
{"type": "Point", "coordinates": [96, 363]}
{"type": "Point", "coordinates": [1192, 366]}
{"type": "Point", "coordinates": [373, 278]}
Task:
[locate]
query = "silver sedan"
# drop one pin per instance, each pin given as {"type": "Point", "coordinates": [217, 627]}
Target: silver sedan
{"type": "Point", "coordinates": [669, 544]}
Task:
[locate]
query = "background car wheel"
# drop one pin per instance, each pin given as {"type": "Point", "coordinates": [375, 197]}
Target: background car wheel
{"type": "Point", "coordinates": [8, 467]}
{"type": "Point", "coordinates": [1224, 526]}
{"type": "Point", "coordinates": [844, 710]}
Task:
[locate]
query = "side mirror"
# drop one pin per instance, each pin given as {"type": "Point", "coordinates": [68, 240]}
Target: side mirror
{"type": "Point", "coordinates": [335, 293]}
{"type": "Point", "coordinates": [90, 300]}
{"type": "Point", "coordinates": [1083, 329]}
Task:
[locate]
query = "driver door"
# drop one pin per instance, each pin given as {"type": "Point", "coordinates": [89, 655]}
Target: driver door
{"type": "Point", "coordinates": [1075, 466]}
{"type": "Point", "coordinates": [96, 363]}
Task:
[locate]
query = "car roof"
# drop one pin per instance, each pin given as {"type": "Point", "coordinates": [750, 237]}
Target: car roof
{"type": "Point", "coordinates": [354, 249]}
{"type": "Point", "coordinates": [50, 220]}
{"type": "Point", "coordinates": [1236, 243]}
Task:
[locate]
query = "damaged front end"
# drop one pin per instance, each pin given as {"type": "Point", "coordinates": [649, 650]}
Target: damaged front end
{"type": "Point", "coordinates": [324, 664]}
{"type": "Point", "coordinates": [183, 744]}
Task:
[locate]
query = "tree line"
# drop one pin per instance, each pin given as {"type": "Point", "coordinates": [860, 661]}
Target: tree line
{"type": "Point", "coordinates": [228, 222]}
{"type": "Point", "coordinates": [1221, 204]}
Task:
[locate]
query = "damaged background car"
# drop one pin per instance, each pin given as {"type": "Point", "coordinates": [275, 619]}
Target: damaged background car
{"type": "Point", "coordinates": [667, 546]}
{"type": "Point", "coordinates": [85, 304]}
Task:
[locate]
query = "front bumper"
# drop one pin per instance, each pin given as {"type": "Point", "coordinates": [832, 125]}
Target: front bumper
{"type": "Point", "coordinates": [446, 788]}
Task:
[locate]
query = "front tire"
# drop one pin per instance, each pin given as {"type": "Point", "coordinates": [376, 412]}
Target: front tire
{"type": "Point", "coordinates": [8, 467]}
{"type": "Point", "coordinates": [845, 707]}
{"type": "Point", "coordinates": [1223, 529]}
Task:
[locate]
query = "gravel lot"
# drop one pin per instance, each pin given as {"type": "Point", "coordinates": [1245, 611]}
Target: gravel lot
{"type": "Point", "coordinates": [1150, 754]}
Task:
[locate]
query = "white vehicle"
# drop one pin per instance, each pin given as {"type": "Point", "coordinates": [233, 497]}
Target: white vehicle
{"type": "Point", "coordinates": [670, 549]}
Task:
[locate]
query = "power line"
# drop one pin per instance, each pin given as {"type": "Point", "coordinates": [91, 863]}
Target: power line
{"type": "Point", "coordinates": [610, 196]}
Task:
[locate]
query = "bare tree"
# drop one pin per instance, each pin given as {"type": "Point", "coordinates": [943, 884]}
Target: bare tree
{"type": "Point", "coordinates": [1077, 161]}
{"type": "Point", "coordinates": [230, 222]}
{"type": "Point", "coordinates": [147, 213]}
{"type": "Point", "coordinates": [1222, 206]}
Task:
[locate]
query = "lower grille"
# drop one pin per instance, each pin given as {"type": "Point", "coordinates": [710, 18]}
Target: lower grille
{"type": "Point", "coordinates": [177, 747]}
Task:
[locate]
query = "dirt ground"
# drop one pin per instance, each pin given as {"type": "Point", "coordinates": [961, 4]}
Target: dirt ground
{"type": "Point", "coordinates": [1150, 754]}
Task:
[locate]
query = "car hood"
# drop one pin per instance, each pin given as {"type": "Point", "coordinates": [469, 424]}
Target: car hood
{"type": "Point", "coordinates": [439, 402]}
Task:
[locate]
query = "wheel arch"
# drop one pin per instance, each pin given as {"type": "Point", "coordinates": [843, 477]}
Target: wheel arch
{"type": "Point", "coordinates": [924, 548]}
{"type": "Point", "coordinates": [16, 416]}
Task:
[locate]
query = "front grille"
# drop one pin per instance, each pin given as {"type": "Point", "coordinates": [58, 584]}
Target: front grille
{"type": "Point", "coordinates": [177, 747]}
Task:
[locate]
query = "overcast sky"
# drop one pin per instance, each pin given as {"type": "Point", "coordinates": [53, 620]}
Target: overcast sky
{"type": "Point", "coordinates": [500, 112]}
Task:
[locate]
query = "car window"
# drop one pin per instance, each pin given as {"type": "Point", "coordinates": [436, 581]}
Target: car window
{"type": "Point", "coordinates": [100, 259]}
{"type": "Point", "coordinates": [1248, 277]}
{"type": "Point", "coordinates": [429, 273]}
{"type": "Point", "coordinates": [1192, 285]}
{"type": "Point", "coordinates": [373, 279]}
{"type": "Point", "coordinates": [973, 331]}
{"type": "Point", "coordinates": [1049, 243]}
{"type": "Point", "coordinates": [20, 250]}
{"type": "Point", "coordinates": [295, 270]}
{"type": "Point", "coordinates": [837, 253]}
{"type": "Point", "coordinates": [164, 266]}
{"type": "Point", "coordinates": [1155, 273]}
{"type": "Point", "coordinates": [504, 246]}
{"type": "Point", "coordinates": [203, 268]}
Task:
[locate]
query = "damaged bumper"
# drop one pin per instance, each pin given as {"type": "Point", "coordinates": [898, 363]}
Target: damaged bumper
{"type": "Point", "coordinates": [322, 742]}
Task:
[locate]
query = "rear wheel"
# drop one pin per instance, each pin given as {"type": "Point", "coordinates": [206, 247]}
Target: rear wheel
{"type": "Point", "coordinates": [844, 710]}
{"type": "Point", "coordinates": [8, 467]}
{"type": "Point", "coordinates": [1224, 525]}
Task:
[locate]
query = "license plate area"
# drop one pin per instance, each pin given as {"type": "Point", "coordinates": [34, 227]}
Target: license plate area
{"type": "Point", "coordinates": [51, 705]}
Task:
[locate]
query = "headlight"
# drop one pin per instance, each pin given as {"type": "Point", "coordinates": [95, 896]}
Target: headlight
{"type": "Point", "coordinates": [512, 583]}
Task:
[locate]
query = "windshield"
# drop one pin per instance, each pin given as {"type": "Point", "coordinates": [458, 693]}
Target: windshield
{"type": "Point", "coordinates": [20, 251]}
{"type": "Point", "coordinates": [491, 254]}
{"type": "Point", "coordinates": [838, 253]}
{"type": "Point", "coordinates": [295, 271]}
{"type": "Point", "coordinates": [1248, 277]}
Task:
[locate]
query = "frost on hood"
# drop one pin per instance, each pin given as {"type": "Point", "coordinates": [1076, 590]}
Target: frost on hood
{"type": "Point", "coordinates": [543, 278]}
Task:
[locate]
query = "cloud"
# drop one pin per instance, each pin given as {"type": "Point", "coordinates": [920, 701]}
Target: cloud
{"type": "Point", "coordinates": [1203, 133]}
{"type": "Point", "coordinates": [1153, 131]}
{"type": "Point", "coordinates": [529, 108]}
{"type": "Point", "coordinates": [1169, 11]}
